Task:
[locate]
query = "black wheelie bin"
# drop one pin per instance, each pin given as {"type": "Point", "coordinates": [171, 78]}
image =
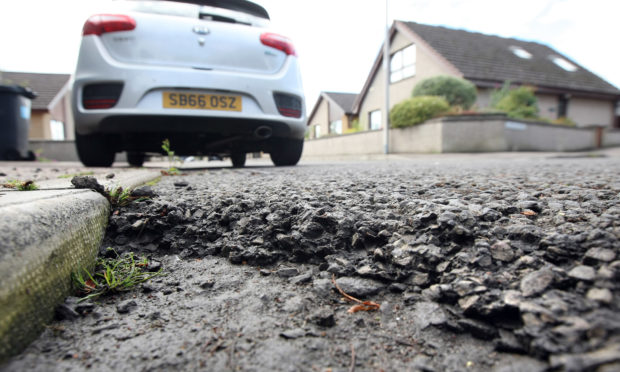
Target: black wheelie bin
{"type": "Point", "coordinates": [15, 102]}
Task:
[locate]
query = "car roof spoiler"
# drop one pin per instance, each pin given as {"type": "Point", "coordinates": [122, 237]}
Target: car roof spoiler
{"type": "Point", "coordinates": [243, 6]}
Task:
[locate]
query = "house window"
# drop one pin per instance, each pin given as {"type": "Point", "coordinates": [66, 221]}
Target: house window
{"type": "Point", "coordinates": [58, 130]}
{"type": "Point", "coordinates": [562, 63]}
{"type": "Point", "coordinates": [402, 64]}
{"type": "Point", "coordinates": [520, 52]}
{"type": "Point", "coordinates": [374, 120]}
{"type": "Point", "coordinates": [317, 131]}
{"type": "Point", "coordinates": [335, 127]}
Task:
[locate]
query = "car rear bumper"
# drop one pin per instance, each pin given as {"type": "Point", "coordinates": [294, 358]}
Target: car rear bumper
{"type": "Point", "coordinates": [193, 135]}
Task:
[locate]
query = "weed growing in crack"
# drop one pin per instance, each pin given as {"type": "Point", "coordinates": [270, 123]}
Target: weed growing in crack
{"type": "Point", "coordinates": [113, 275]}
{"type": "Point", "coordinates": [172, 170]}
{"type": "Point", "coordinates": [21, 185]}
{"type": "Point", "coordinates": [119, 197]}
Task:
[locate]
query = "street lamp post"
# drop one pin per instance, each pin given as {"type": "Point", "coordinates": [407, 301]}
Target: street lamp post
{"type": "Point", "coordinates": [386, 72]}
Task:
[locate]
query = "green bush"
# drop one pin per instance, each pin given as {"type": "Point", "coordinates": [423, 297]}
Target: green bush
{"type": "Point", "coordinates": [355, 127]}
{"type": "Point", "coordinates": [520, 103]}
{"type": "Point", "coordinates": [457, 92]}
{"type": "Point", "coordinates": [498, 94]}
{"type": "Point", "coordinates": [417, 110]}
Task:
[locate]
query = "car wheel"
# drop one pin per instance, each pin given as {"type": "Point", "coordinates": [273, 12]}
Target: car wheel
{"type": "Point", "coordinates": [94, 150]}
{"type": "Point", "coordinates": [238, 159]}
{"type": "Point", "coordinates": [135, 159]}
{"type": "Point", "coordinates": [287, 152]}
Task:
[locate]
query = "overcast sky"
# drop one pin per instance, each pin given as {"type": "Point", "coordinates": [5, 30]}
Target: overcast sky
{"type": "Point", "coordinates": [338, 40]}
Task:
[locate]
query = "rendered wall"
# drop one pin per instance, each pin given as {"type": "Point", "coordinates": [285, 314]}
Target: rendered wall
{"type": "Point", "coordinates": [361, 143]}
{"type": "Point", "coordinates": [40, 125]}
{"type": "Point", "coordinates": [586, 112]}
{"type": "Point", "coordinates": [611, 138]}
{"type": "Point", "coordinates": [320, 118]}
{"type": "Point", "coordinates": [548, 106]}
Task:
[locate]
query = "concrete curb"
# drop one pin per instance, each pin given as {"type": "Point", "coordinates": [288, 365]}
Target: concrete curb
{"type": "Point", "coordinates": [45, 236]}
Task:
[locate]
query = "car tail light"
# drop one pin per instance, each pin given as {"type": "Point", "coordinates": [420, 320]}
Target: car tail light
{"type": "Point", "coordinates": [288, 105]}
{"type": "Point", "coordinates": [101, 96]}
{"type": "Point", "coordinates": [279, 42]}
{"type": "Point", "coordinates": [102, 23]}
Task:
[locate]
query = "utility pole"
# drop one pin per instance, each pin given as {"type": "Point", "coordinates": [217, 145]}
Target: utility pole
{"type": "Point", "coordinates": [386, 72]}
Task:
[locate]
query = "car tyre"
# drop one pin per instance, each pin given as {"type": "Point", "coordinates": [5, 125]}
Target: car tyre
{"type": "Point", "coordinates": [238, 159]}
{"type": "Point", "coordinates": [95, 150]}
{"type": "Point", "coordinates": [135, 159]}
{"type": "Point", "coordinates": [287, 152]}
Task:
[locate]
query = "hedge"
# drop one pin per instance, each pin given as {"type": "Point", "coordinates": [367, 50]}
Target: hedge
{"type": "Point", "coordinates": [417, 110]}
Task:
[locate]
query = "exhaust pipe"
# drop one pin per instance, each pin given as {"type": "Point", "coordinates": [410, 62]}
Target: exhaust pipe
{"type": "Point", "coordinates": [263, 132]}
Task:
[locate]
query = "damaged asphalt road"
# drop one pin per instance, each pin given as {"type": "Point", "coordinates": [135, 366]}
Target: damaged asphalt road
{"type": "Point", "coordinates": [478, 264]}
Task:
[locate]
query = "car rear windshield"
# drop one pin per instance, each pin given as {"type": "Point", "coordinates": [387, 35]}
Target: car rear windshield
{"type": "Point", "coordinates": [230, 11]}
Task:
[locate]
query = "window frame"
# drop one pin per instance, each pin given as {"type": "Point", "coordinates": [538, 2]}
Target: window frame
{"type": "Point", "coordinates": [370, 121]}
{"type": "Point", "coordinates": [57, 129]}
{"type": "Point", "coordinates": [338, 124]}
{"type": "Point", "coordinates": [400, 69]}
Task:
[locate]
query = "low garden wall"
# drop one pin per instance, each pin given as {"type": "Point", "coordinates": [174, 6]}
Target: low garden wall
{"type": "Point", "coordinates": [471, 133]}
{"type": "Point", "coordinates": [611, 138]}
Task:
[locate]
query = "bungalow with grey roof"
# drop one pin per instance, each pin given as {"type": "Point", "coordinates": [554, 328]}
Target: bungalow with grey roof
{"type": "Point", "coordinates": [332, 114]}
{"type": "Point", "coordinates": [563, 87]}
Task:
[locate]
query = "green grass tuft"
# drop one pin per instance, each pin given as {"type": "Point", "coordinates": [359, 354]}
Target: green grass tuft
{"type": "Point", "coordinates": [21, 185]}
{"type": "Point", "coordinates": [112, 275]}
{"type": "Point", "coordinates": [119, 197]}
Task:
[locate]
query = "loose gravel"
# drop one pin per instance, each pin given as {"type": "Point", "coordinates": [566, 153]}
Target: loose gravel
{"type": "Point", "coordinates": [478, 264]}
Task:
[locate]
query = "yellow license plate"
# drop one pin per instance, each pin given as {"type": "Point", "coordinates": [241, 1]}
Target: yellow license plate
{"type": "Point", "coordinates": [201, 101]}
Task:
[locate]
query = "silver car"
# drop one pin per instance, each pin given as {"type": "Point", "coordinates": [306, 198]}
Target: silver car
{"type": "Point", "coordinates": [208, 75]}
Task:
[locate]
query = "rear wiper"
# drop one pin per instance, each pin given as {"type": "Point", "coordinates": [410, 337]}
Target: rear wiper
{"type": "Point", "coordinates": [219, 18]}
